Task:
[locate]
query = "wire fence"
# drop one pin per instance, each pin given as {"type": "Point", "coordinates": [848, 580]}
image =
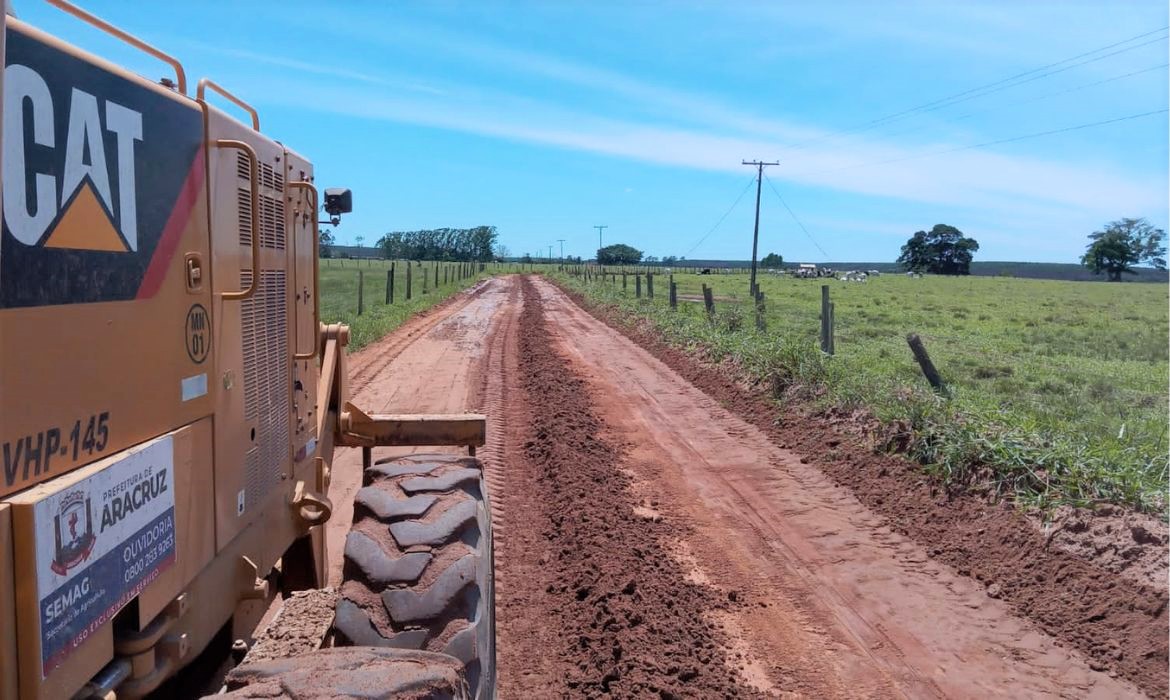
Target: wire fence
{"type": "Point", "coordinates": [355, 285]}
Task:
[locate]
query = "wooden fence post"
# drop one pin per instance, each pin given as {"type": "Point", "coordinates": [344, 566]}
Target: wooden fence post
{"type": "Point", "coordinates": [408, 285]}
{"type": "Point", "coordinates": [825, 318]}
{"type": "Point", "coordinates": [423, 270]}
{"type": "Point", "coordinates": [673, 294]}
{"type": "Point", "coordinates": [709, 301]}
{"type": "Point", "coordinates": [390, 284]}
{"type": "Point", "coordinates": [638, 285]}
{"type": "Point", "coordinates": [436, 275]}
{"type": "Point", "coordinates": [832, 328]}
{"type": "Point", "coordinates": [928, 369]}
{"type": "Point", "coordinates": [650, 285]}
{"type": "Point", "coordinates": [361, 289]}
{"type": "Point", "coordinates": [623, 280]}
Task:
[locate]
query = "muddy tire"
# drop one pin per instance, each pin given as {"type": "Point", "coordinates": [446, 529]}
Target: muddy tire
{"type": "Point", "coordinates": [418, 564]}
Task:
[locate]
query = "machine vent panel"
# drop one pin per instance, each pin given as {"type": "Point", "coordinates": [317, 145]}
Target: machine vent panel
{"type": "Point", "coordinates": [263, 319]}
{"type": "Point", "coordinates": [272, 221]}
{"type": "Point", "coordinates": [244, 209]}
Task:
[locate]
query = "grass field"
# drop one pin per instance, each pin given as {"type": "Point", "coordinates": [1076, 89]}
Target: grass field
{"type": "Point", "coordinates": [339, 294]}
{"type": "Point", "coordinates": [1058, 389]}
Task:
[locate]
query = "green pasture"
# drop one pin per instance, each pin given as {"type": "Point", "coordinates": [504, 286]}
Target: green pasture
{"type": "Point", "coordinates": [1057, 389]}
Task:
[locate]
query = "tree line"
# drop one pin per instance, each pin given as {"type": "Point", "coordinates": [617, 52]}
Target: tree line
{"type": "Point", "coordinates": [943, 250]}
{"type": "Point", "coordinates": [471, 244]}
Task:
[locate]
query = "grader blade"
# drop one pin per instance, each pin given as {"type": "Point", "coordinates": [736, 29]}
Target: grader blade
{"type": "Point", "coordinates": [359, 429]}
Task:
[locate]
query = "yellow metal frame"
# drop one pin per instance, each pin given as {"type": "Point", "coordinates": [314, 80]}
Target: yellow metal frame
{"type": "Point", "coordinates": [311, 189]}
{"type": "Point", "coordinates": [254, 169]}
{"type": "Point", "coordinates": [205, 83]}
{"type": "Point", "coordinates": [180, 74]}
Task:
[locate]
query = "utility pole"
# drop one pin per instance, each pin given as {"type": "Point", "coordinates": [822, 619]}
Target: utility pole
{"type": "Point", "coordinates": [550, 252]}
{"type": "Point", "coordinates": [599, 230]}
{"type": "Point", "coordinates": [562, 242]}
{"type": "Point", "coordinates": [756, 234]}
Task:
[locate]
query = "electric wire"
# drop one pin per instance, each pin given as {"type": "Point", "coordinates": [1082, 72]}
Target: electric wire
{"type": "Point", "coordinates": [794, 217]}
{"type": "Point", "coordinates": [989, 143]}
{"type": "Point", "coordinates": [989, 88]}
{"type": "Point", "coordinates": [720, 221]}
{"type": "Point", "coordinates": [1038, 98]}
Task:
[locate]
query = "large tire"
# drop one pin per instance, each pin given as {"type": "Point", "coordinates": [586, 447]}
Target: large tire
{"type": "Point", "coordinates": [418, 564]}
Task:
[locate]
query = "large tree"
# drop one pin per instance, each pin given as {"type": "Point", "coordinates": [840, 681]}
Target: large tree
{"type": "Point", "coordinates": [944, 250]}
{"type": "Point", "coordinates": [1123, 244]}
{"type": "Point", "coordinates": [325, 247]}
{"type": "Point", "coordinates": [772, 261]}
{"type": "Point", "coordinates": [618, 254]}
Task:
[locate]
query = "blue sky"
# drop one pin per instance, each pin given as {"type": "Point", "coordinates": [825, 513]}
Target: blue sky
{"type": "Point", "coordinates": [546, 118]}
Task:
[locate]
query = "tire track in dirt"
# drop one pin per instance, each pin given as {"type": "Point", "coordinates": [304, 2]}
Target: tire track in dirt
{"type": "Point", "coordinates": [594, 603]}
{"type": "Point", "coordinates": [1120, 627]}
{"type": "Point", "coordinates": [371, 360]}
{"type": "Point", "coordinates": [427, 365]}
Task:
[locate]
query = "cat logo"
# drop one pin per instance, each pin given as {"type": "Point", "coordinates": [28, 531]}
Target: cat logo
{"type": "Point", "coordinates": [102, 175]}
{"type": "Point", "coordinates": [76, 209]}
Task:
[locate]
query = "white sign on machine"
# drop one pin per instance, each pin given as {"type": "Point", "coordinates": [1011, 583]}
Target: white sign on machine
{"type": "Point", "coordinates": [101, 542]}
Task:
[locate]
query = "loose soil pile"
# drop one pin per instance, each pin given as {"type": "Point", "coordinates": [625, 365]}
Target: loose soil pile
{"type": "Point", "coordinates": [615, 609]}
{"type": "Point", "coordinates": [1120, 625]}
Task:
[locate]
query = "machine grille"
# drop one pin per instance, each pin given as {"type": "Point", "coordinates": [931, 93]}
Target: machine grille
{"type": "Point", "coordinates": [264, 328]}
{"type": "Point", "coordinates": [244, 209]}
{"type": "Point", "coordinates": [272, 223]}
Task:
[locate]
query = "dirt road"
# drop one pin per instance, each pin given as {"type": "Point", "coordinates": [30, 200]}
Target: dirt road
{"type": "Point", "coordinates": [652, 543]}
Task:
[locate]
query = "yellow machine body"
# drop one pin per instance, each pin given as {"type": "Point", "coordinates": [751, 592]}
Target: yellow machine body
{"type": "Point", "coordinates": [169, 399]}
{"type": "Point", "coordinates": [159, 367]}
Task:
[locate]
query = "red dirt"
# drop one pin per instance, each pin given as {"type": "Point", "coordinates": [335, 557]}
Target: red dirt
{"type": "Point", "coordinates": [603, 609]}
{"type": "Point", "coordinates": [1126, 543]}
{"type": "Point", "coordinates": [1005, 567]}
{"type": "Point", "coordinates": [707, 531]}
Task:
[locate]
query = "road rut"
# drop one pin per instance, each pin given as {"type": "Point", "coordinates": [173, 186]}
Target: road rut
{"type": "Point", "coordinates": [844, 606]}
{"type": "Point", "coordinates": [790, 586]}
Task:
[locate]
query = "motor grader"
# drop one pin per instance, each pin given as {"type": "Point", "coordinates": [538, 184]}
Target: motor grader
{"type": "Point", "coordinates": [171, 403]}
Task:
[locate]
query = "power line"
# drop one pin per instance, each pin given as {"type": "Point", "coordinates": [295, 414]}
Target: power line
{"type": "Point", "coordinates": [987, 88]}
{"type": "Point", "coordinates": [990, 143]}
{"type": "Point", "coordinates": [1074, 88]}
{"type": "Point", "coordinates": [794, 217]}
{"type": "Point", "coordinates": [1038, 98]}
{"type": "Point", "coordinates": [1043, 75]}
{"type": "Point", "coordinates": [725, 215]}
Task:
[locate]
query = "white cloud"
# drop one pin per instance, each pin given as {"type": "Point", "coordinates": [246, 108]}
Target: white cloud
{"type": "Point", "coordinates": [313, 68]}
{"type": "Point", "coordinates": [971, 178]}
{"type": "Point", "coordinates": [715, 135]}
